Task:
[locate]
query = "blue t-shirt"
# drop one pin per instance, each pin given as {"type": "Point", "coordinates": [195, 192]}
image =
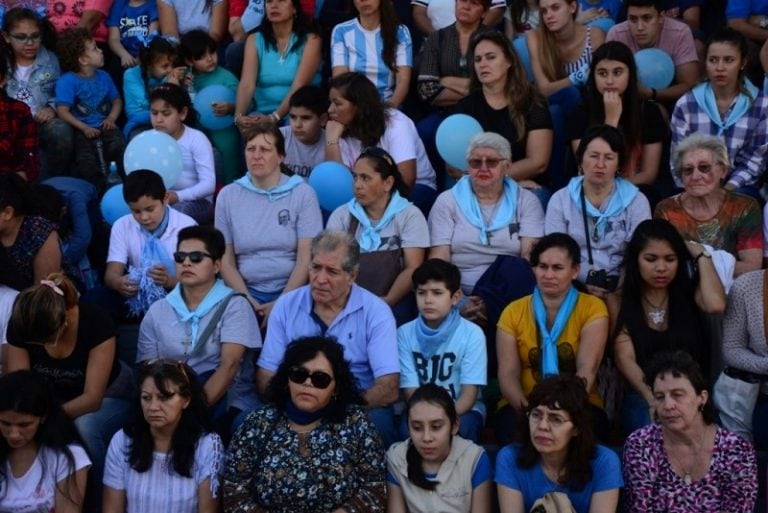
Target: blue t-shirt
{"type": "Point", "coordinates": [482, 473]}
{"type": "Point", "coordinates": [133, 22]}
{"type": "Point", "coordinates": [534, 484]}
{"type": "Point", "coordinates": [740, 9]}
{"type": "Point", "coordinates": [89, 99]}
{"type": "Point", "coordinates": [612, 6]}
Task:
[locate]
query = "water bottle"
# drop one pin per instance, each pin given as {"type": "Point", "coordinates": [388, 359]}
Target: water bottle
{"type": "Point", "coordinates": [113, 178]}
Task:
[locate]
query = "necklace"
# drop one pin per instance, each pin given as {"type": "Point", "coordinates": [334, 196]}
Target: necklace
{"type": "Point", "coordinates": [656, 314]}
{"type": "Point", "coordinates": [687, 471]}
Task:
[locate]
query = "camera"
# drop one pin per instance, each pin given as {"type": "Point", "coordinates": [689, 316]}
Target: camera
{"type": "Point", "coordinates": [600, 278]}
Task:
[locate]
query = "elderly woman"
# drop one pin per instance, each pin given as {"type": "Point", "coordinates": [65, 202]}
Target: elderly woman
{"type": "Point", "coordinates": [485, 215]}
{"type": "Point", "coordinates": [315, 426]}
{"type": "Point", "coordinates": [558, 454]}
{"type": "Point", "coordinates": [555, 330]}
{"type": "Point", "coordinates": [600, 210]}
{"type": "Point", "coordinates": [685, 462]}
{"type": "Point", "coordinates": [709, 213]}
{"type": "Point", "coordinates": [391, 231]}
{"type": "Point", "coordinates": [266, 259]}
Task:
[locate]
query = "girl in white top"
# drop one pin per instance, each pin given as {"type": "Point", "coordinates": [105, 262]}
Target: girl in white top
{"type": "Point", "coordinates": [42, 465]}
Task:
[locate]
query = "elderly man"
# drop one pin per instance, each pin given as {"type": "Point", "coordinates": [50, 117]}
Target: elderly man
{"type": "Point", "coordinates": [332, 305]}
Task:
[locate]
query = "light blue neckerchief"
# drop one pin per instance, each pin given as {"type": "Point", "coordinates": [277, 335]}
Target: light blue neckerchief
{"type": "Point", "coordinates": [277, 192]}
{"type": "Point", "coordinates": [370, 240]}
{"type": "Point", "coordinates": [216, 295]}
{"type": "Point", "coordinates": [153, 253]}
{"type": "Point", "coordinates": [430, 339]}
{"type": "Point", "coordinates": [705, 99]}
{"type": "Point", "coordinates": [470, 207]}
{"type": "Point", "coordinates": [549, 365]}
{"type": "Point", "coordinates": [621, 197]}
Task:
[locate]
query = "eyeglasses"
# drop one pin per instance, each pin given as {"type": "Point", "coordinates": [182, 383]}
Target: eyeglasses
{"type": "Point", "coordinates": [491, 163]}
{"type": "Point", "coordinates": [26, 39]}
{"type": "Point", "coordinates": [194, 256]}
{"type": "Point", "coordinates": [319, 379]}
{"type": "Point", "coordinates": [704, 169]}
{"type": "Point", "coordinates": [555, 420]}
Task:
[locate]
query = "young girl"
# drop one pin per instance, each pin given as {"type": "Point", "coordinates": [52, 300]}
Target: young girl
{"type": "Point", "coordinates": [192, 194]}
{"type": "Point", "coordinates": [435, 470]}
{"type": "Point", "coordinates": [42, 465]}
{"type": "Point", "coordinates": [156, 66]}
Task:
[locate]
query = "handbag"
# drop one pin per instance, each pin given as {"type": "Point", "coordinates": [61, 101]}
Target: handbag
{"type": "Point", "coordinates": [378, 269]}
{"type": "Point", "coordinates": [553, 502]}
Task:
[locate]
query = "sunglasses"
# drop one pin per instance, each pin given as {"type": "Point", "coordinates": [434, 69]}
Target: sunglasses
{"type": "Point", "coordinates": [491, 163]}
{"type": "Point", "coordinates": [319, 379]}
{"type": "Point", "coordinates": [703, 168]}
{"type": "Point", "coordinates": [167, 363]}
{"type": "Point", "coordinates": [194, 256]}
{"type": "Point", "coordinates": [27, 38]}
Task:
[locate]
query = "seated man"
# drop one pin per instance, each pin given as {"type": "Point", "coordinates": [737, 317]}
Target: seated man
{"type": "Point", "coordinates": [332, 305]}
{"type": "Point", "coordinates": [648, 27]}
{"type": "Point", "coordinates": [750, 17]}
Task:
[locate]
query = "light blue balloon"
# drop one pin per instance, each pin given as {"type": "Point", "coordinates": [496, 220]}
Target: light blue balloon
{"type": "Point", "coordinates": [602, 23]}
{"type": "Point", "coordinates": [332, 182]}
{"type": "Point", "coordinates": [156, 151]}
{"type": "Point", "coordinates": [452, 138]}
{"type": "Point", "coordinates": [204, 100]}
{"type": "Point", "coordinates": [113, 206]}
{"type": "Point", "coordinates": [655, 68]}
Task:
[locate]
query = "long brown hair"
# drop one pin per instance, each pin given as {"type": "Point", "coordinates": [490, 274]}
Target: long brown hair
{"type": "Point", "coordinates": [552, 62]}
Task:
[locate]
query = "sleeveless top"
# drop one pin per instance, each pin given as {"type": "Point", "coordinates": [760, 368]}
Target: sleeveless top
{"type": "Point", "coordinates": [585, 57]}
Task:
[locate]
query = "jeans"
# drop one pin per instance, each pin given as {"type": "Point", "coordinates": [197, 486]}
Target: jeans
{"type": "Point", "coordinates": [57, 143]}
{"type": "Point", "coordinates": [384, 420]}
{"type": "Point", "coordinates": [634, 412]}
{"type": "Point", "coordinates": [92, 156]}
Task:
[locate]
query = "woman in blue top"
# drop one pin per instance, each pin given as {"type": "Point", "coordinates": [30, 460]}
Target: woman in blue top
{"type": "Point", "coordinates": [558, 455]}
{"type": "Point", "coordinates": [282, 56]}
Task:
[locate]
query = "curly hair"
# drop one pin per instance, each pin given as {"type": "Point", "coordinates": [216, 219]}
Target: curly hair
{"type": "Point", "coordinates": [302, 350]}
{"type": "Point", "coordinates": [71, 46]}
{"type": "Point", "coordinates": [680, 364]}
{"type": "Point", "coordinates": [370, 120]}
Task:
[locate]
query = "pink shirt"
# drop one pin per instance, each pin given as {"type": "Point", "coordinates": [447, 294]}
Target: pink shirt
{"type": "Point", "coordinates": [676, 39]}
{"type": "Point", "coordinates": [66, 14]}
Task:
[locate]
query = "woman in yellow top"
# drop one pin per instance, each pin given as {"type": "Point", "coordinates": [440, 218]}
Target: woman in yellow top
{"type": "Point", "coordinates": [555, 330]}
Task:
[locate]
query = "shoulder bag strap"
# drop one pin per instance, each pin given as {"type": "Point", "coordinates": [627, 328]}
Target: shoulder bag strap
{"type": "Point", "coordinates": [586, 225]}
{"type": "Point", "coordinates": [217, 315]}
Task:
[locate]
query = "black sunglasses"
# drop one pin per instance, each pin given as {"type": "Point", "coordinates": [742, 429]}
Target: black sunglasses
{"type": "Point", "coordinates": [319, 379]}
{"type": "Point", "coordinates": [194, 256]}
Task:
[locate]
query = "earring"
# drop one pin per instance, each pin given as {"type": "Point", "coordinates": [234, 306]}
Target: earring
{"type": "Point", "coordinates": [701, 407]}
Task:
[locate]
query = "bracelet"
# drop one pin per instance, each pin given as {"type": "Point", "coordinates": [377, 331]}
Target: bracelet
{"type": "Point", "coordinates": [237, 117]}
{"type": "Point", "coordinates": [331, 143]}
{"type": "Point", "coordinates": [274, 116]}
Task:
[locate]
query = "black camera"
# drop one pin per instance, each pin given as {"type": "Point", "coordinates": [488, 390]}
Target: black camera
{"type": "Point", "coordinates": [600, 278]}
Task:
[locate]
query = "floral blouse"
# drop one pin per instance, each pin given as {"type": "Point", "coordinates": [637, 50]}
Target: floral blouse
{"type": "Point", "coordinates": [653, 486]}
{"type": "Point", "coordinates": [272, 468]}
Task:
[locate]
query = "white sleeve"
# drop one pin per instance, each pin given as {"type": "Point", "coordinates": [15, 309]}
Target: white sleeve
{"type": "Point", "coordinates": [116, 465]}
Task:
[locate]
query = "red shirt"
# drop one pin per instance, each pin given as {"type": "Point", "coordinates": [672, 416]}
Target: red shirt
{"type": "Point", "coordinates": [19, 144]}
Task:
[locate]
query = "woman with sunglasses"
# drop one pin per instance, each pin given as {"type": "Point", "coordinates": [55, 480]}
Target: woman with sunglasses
{"type": "Point", "coordinates": [167, 459]}
{"type": "Point", "coordinates": [391, 231]}
{"type": "Point", "coordinates": [313, 448]}
{"type": "Point", "coordinates": [205, 324]}
{"type": "Point", "coordinates": [558, 459]}
{"type": "Point", "coordinates": [485, 215]}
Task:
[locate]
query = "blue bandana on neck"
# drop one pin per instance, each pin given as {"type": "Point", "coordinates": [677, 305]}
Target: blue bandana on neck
{"type": "Point", "coordinates": [470, 207]}
{"type": "Point", "coordinates": [430, 339]}
{"type": "Point", "coordinates": [705, 99]}
{"type": "Point", "coordinates": [277, 192]}
{"type": "Point", "coordinates": [370, 240]}
{"type": "Point", "coordinates": [549, 364]}
{"type": "Point", "coordinates": [302, 417]}
{"type": "Point", "coordinates": [152, 254]}
{"type": "Point", "coordinates": [219, 291]}
{"type": "Point", "coordinates": [622, 195]}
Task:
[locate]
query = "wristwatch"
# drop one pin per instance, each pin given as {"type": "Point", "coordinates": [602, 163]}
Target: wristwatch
{"type": "Point", "coordinates": [764, 22]}
{"type": "Point", "coordinates": [704, 253]}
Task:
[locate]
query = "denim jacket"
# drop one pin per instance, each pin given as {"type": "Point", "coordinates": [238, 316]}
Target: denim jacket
{"type": "Point", "coordinates": [41, 84]}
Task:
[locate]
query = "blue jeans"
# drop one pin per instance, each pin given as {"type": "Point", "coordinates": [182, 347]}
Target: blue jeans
{"type": "Point", "coordinates": [384, 420]}
{"type": "Point", "coordinates": [634, 412]}
{"type": "Point", "coordinates": [96, 429]}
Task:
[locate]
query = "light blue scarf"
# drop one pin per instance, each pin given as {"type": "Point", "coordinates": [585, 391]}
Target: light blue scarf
{"type": "Point", "coordinates": [216, 295]}
{"type": "Point", "coordinates": [549, 365]}
{"type": "Point", "coordinates": [153, 253]}
{"type": "Point", "coordinates": [431, 339]}
{"type": "Point", "coordinates": [279, 191]}
{"type": "Point", "coordinates": [470, 207]}
{"type": "Point", "coordinates": [370, 240]}
{"type": "Point", "coordinates": [705, 99]}
{"type": "Point", "coordinates": [621, 197]}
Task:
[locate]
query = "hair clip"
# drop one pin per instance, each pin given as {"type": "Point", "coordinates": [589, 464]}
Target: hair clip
{"type": "Point", "coordinates": [54, 286]}
{"type": "Point", "coordinates": [40, 11]}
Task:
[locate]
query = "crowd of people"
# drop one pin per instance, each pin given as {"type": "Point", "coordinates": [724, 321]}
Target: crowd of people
{"type": "Point", "coordinates": [589, 275]}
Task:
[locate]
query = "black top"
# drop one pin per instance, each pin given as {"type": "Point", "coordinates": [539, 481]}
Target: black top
{"type": "Point", "coordinates": [652, 130]}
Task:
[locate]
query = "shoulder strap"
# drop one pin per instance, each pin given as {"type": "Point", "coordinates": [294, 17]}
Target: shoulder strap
{"type": "Point", "coordinates": [586, 226]}
{"type": "Point", "coordinates": [208, 331]}
{"type": "Point", "coordinates": [353, 224]}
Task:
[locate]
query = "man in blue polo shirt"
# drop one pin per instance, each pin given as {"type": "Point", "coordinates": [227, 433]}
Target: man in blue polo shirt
{"type": "Point", "coordinates": [750, 17]}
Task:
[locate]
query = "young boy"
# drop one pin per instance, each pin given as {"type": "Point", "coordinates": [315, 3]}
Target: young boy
{"type": "Point", "coordinates": [305, 138]}
{"type": "Point", "coordinates": [129, 23]}
{"type": "Point", "coordinates": [19, 142]}
{"type": "Point", "coordinates": [441, 347]}
{"type": "Point", "coordinates": [87, 99]}
{"type": "Point", "coordinates": [143, 242]}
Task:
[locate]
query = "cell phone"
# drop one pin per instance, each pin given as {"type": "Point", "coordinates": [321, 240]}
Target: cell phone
{"type": "Point", "coordinates": [600, 278]}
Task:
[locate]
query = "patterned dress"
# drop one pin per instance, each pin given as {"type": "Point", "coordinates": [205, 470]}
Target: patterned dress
{"type": "Point", "coordinates": [33, 233]}
{"type": "Point", "coordinates": [272, 468]}
{"type": "Point", "coordinates": [653, 486]}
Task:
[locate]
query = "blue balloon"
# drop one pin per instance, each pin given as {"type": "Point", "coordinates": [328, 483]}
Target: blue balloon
{"type": "Point", "coordinates": [521, 49]}
{"type": "Point", "coordinates": [156, 151]}
{"type": "Point", "coordinates": [655, 68]}
{"type": "Point", "coordinates": [204, 101]}
{"type": "Point", "coordinates": [113, 206]}
{"type": "Point", "coordinates": [452, 138]}
{"type": "Point", "coordinates": [332, 182]}
{"type": "Point", "coordinates": [602, 23]}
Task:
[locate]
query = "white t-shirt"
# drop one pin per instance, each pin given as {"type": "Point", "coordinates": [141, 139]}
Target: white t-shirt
{"type": "Point", "coordinates": [442, 13]}
{"type": "Point", "coordinates": [126, 242]}
{"type": "Point", "coordinates": [198, 175]}
{"type": "Point", "coordinates": [299, 157]}
{"type": "Point", "coordinates": [190, 14]}
{"type": "Point", "coordinates": [35, 491]}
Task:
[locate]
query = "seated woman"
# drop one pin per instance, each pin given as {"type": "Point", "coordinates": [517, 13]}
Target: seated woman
{"type": "Point", "coordinates": [177, 17]}
{"type": "Point", "coordinates": [708, 212]}
{"type": "Point", "coordinates": [266, 259]}
{"type": "Point", "coordinates": [435, 469]}
{"type": "Point", "coordinates": [359, 119]}
{"type": "Point", "coordinates": [282, 56]}
{"type": "Point", "coordinates": [391, 231]}
{"type": "Point", "coordinates": [315, 426]}
{"type": "Point", "coordinates": [612, 99]}
{"type": "Point", "coordinates": [485, 215]}
{"type": "Point", "coordinates": [729, 106]}
{"type": "Point", "coordinates": [662, 307]}
{"type": "Point", "coordinates": [203, 323]}
{"type": "Point", "coordinates": [685, 462]}
{"type": "Point", "coordinates": [72, 344]}
{"type": "Point", "coordinates": [44, 466]}
{"type": "Point", "coordinates": [558, 455]}
{"type": "Point", "coordinates": [167, 460]}
{"type": "Point", "coordinates": [556, 330]}
{"type": "Point", "coordinates": [600, 210]}
{"type": "Point", "coordinates": [503, 101]}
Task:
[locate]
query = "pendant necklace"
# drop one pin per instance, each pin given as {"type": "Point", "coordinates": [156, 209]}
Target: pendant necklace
{"type": "Point", "coordinates": [656, 314]}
